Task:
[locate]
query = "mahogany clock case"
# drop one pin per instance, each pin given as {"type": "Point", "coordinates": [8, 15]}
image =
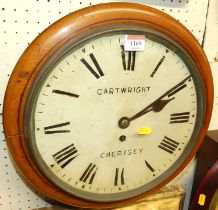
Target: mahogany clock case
{"type": "Point", "coordinates": [48, 45]}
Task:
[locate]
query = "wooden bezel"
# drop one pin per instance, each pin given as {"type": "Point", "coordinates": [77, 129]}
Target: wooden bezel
{"type": "Point", "coordinates": [51, 40]}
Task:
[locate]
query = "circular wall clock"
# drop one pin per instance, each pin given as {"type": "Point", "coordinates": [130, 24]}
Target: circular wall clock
{"type": "Point", "coordinates": [91, 124]}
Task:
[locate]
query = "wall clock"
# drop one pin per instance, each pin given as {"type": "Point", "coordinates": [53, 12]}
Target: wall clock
{"type": "Point", "coordinates": [90, 124]}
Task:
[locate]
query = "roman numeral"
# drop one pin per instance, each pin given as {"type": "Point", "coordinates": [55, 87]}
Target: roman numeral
{"type": "Point", "coordinates": [149, 166]}
{"type": "Point", "coordinates": [157, 66]}
{"type": "Point", "coordinates": [89, 173]}
{"type": "Point", "coordinates": [99, 72]}
{"type": "Point", "coordinates": [49, 129]}
{"type": "Point", "coordinates": [119, 177]}
{"type": "Point", "coordinates": [66, 155]}
{"type": "Point", "coordinates": [61, 92]}
{"type": "Point", "coordinates": [168, 145]}
{"type": "Point", "coordinates": [181, 117]}
{"type": "Point", "coordinates": [128, 64]}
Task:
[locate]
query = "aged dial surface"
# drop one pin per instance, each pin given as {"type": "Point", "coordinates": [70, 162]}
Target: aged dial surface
{"type": "Point", "coordinates": [87, 116]}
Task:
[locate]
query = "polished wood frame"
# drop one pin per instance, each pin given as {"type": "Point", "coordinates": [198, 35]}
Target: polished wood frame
{"type": "Point", "coordinates": [56, 36]}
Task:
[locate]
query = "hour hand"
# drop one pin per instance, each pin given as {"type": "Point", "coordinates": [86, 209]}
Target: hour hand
{"type": "Point", "coordinates": [160, 104]}
{"type": "Point", "coordinates": [157, 106]}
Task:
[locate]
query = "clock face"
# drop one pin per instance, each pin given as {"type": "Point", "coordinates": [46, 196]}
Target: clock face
{"type": "Point", "coordinates": [106, 124]}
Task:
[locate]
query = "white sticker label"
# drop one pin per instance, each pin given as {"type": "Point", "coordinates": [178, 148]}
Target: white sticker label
{"type": "Point", "coordinates": [134, 43]}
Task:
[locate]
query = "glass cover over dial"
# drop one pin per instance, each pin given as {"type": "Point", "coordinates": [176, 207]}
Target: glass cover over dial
{"type": "Point", "coordinates": [107, 124]}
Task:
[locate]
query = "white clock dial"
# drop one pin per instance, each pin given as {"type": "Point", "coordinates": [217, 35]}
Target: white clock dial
{"type": "Point", "coordinates": [94, 105]}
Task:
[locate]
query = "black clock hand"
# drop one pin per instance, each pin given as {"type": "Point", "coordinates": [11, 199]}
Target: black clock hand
{"type": "Point", "coordinates": [155, 106]}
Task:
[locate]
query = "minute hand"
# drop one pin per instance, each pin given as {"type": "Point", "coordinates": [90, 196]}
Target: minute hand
{"type": "Point", "coordinates": [159, 104]}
